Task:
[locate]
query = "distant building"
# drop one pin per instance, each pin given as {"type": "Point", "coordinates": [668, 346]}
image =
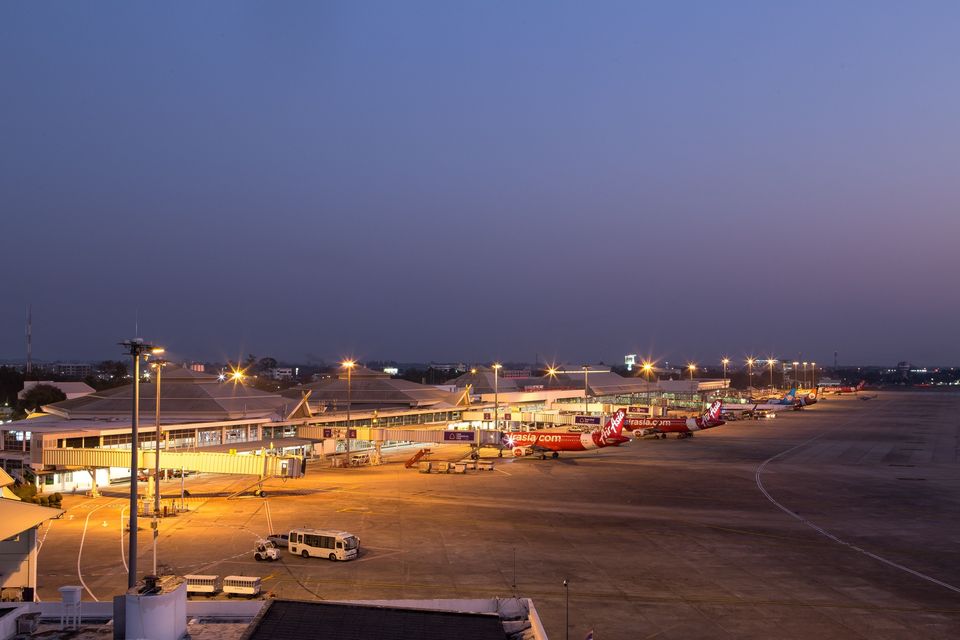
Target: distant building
{"type": "Point", "coordinates": [198, 367]}
{"type": "Point", "coordinates": [280, 373]}
{"type": "Point", "coordinates": [454, 367]}
{"type": "Point", "coordinates": [71, 370]}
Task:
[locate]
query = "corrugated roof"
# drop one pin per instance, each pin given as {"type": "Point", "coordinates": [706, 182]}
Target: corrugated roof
{"type": "Point", "coordinates": [68, 388]}
{"type": "Point", "coordinates": [192, 399]}
{"type": "Point", "coordinates": [375, 392]}
{"type": "Point", "coordinates": [17, 516]}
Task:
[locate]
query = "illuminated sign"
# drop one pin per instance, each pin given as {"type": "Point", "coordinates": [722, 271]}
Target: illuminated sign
{"type": "Point", "coordinates": [459, 436]}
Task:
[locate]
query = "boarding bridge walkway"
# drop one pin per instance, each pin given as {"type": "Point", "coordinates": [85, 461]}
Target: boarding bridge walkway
{"type": "Point", "coordinates": [263, 466]}
{"type": "Point", "coordinates": [476, 437]}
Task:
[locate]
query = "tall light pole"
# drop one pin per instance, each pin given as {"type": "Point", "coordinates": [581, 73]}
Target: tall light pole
{"type": "Point", "coordinates": [586, 389]}
{"type": "Point", "coordinates": [750, 362]}
{"type": "Point", "coordinates": [796, 373]}
{"type": "Point", "coordinates": [348, 365]}
{"type": "Point", "coordinates": [725, 362]}
{"type": "Point", "coordinates": [804, 373]}
{"type": "Point", "coordinates": [157, 364]}
{"type": "Point", "coordinates": [771, 362]}
{"type": "Point", "coordinates": [647, 370]}
{"type": "Point", "coordinates": [496, 396]}
{"type": "Point", "coordinates": [813, 375]}
{"type": "Point", "coordinates": [135, 348]}
{"type": "Point", "coordinates": [691, 367]}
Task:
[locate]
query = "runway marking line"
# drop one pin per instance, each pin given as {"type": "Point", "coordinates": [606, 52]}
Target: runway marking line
{"type": "Point", "coordinates": [827, 534]}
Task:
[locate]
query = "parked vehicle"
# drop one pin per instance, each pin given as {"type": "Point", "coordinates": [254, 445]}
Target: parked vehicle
{"type": "Point", "coordinates": [333, 545]}
{"type": "Point", "coordinates": [281, 540]}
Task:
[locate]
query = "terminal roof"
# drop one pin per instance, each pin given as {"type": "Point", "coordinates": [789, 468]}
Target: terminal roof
{"type": "Point", "coordinates": [296, 620]}
{"type": "Point", "coordinates": [184, 395]}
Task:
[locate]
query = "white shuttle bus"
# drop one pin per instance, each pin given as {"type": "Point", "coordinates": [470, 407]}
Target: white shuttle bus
{"type": "Point", "coordinates": [334, 545]}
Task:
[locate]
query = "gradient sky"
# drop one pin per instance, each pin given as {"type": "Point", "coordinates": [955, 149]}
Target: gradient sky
{"type": "Point", "coordinates": [477, 180]}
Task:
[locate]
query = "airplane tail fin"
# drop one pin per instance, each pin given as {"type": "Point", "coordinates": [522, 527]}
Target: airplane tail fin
{"type": "Point", "coordinates": [861, 384]}
{"type": "Point", "coordinates": [712, 414]}
{"type": "Point", "coordinates": [791, 395]}
{"type": "Point", "coordinates": [614, 427]}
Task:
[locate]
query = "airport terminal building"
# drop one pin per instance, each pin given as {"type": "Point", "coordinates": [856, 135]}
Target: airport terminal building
{"type": "Point", "coordinates": [365, 411]}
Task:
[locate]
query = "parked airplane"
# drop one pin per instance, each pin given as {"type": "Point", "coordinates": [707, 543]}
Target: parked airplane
{"type": "Point", "coordinates": [807, 399]}
{"type": "Point", "coordinates": [526, 443]}
{"type": "Point", "coordinates": [789, 399]}
{"type": "Point", "coordinates": [683, 427]}
{"type": "Point", "coordinates": [845, 389]}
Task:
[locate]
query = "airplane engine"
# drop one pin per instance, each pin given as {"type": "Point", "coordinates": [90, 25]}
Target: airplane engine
{"type": "Point", "coordinates": [519, 452]}
{"type": "Point", "coordinates": [644, 433]}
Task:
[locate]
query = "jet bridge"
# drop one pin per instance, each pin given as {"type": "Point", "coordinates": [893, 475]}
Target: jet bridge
{"type": "Point", "coordinates": [263, 466]}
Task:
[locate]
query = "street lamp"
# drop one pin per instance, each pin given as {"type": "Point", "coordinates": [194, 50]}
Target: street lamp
{"type": "Point", "coordinates": [771, 362]}
{"type": "Point", "coordinates": [135, 348]}
{"type": "Point", "coordinates": [348, 365]}
{"type": "Point", "coordinates": [750, 362]}
{"type": "Point", "coordinates": [796, 372]}
{"type": "Point", "coordinates": [813, 375]}
{"type": "Point", "coordinates": [586, 389]}
{"type": "Point", "coordinates": [692, 367]}
{"type": "Point", "coordinates": [725, 362]}
{"type": "Point", "coordinates": [804, 373]}
{"type": "Point", "coordinates": [157, 364]}
{"type": "Point", "coordinates": [496, 396]}
{"type": "Point", "coordinates": [647, 369]}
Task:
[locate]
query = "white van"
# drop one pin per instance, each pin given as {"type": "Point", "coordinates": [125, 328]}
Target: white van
{"type": "Point", "coordinates": [333, 545]}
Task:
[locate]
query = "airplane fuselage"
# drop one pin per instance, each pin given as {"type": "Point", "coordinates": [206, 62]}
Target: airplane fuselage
{"type": "Point", "coordinates": [556, 441]}
{"type": "Point", "coordinates": [649, 426]}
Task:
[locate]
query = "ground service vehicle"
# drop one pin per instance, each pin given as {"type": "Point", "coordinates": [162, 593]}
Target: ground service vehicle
{"type": "Point", "coordinates": [265, 550]}
{"type": "Point", "coordinates": [333, 545]}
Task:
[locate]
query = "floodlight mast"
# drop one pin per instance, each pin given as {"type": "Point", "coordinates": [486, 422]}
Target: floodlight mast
{"type": "Point", "coordinates": [135, 348]}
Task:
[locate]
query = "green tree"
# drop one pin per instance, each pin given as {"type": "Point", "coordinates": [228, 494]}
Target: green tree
{"type": "Point", "coordinates": [11, 381]}
{"type": "Point", "coordinates": [265, 364]}
{"type": "Point", "coordinates": [40, 395]}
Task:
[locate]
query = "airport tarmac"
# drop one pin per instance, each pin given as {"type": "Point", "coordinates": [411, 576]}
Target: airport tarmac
{"type": "Point", "coordinates": [839, 521]}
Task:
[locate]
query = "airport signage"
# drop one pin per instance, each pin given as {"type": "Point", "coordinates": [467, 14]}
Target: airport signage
{"type": "Point", "coordinates": [328, 433]}
{"type": "Point", "coordinates": [507, 416]}
{"type": "Point", "coordinates": [586, 420]}
{"type": "Point", "coordinates": [352, 433]}
{"type": "Point", "coordinates": [643, 410]}
{"type": "Point", "coordinates": [459, 436]}
{"type": "Point", "coordinates": [487, 415]}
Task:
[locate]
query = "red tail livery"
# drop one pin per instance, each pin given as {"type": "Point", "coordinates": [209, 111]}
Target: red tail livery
{"type": "Point", "coordinates": [527, 443]}
{"type": "Point", "coordinates": [683, 427]}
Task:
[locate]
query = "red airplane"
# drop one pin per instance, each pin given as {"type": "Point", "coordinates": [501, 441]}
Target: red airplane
{"type": "Point", "coordinates": [848, 389]}
{"type": "Point", "coordinates": [526, 443]}
{"type": "Point", "coordinates": [683, 427]}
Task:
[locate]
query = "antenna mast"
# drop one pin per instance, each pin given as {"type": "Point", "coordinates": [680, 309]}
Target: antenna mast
{"type": "Point", "coordinates": [29, 339]}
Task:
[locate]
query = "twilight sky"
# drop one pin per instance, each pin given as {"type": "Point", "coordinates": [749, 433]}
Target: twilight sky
{"type": "Point", "coordinates": [478, 180]}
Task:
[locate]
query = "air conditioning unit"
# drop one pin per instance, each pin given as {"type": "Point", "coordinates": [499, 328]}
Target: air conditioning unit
{"type": "Point", "coordinates": [27, 623]}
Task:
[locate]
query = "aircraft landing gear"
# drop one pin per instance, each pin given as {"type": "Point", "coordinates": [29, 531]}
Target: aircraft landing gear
{"type": "Point", "coordinates": [556, 454]}
{"type": "Point", "coordinates": [543, 456]}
